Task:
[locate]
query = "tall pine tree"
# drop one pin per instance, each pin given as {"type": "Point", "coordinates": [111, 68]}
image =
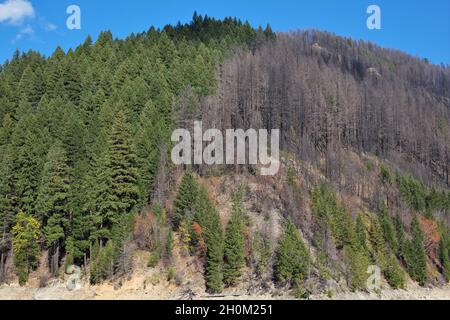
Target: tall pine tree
{"type": "Point", "coordinates": [52, 203]}
{"type": "Point", "coordinates": [293, 259]}
{"type": "Point", "coordinates": [234, 251]}
{"type": "Point", "coordinates": [208, 218]}
{"type": "Point", "coordinates": [116, 191]}
{"type": "Point", "coordinates": [186, 200]}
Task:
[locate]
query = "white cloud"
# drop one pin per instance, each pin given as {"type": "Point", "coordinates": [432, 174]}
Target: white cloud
{"type": "Point", "coordinates": [15, 11]}
{"type": "Point", "coordinates": [50, 27]}
{"type": "Point", "coordinates": [27, 31]}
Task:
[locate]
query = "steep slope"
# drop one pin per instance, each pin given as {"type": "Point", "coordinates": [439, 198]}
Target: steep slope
{"type": "Point", "coordinates": [329, 94]}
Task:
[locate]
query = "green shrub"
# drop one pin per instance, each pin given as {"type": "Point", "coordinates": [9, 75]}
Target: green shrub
{"type": "Point", "coordinates": [299, 292]}
{"type": "Point", "coordinates": [385, 174]}
{"type": "Point", "coordinates": [154, 259]}
{"type": "Point", "coordinates": [155, 279]}
{"type": "Point", "coordinates": [171, 274]}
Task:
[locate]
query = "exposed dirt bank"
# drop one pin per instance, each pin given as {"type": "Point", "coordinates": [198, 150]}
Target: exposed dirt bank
{"type": "Point", "coordinates": [161, 292]}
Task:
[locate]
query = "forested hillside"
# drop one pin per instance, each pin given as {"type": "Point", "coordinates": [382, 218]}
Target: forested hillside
{"type": "Point", "coordinates": [86, 177]}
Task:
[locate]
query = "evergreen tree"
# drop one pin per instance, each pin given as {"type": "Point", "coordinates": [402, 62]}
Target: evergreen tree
{"type": "Point", "coordinates": [413, 191]}
{"type": "Point", "coordinates": [123, 166]}
{"type": "Point", "coordinates": [116, 192]}
{"type": "Point", "coordinates": [7, 103]}
{"type": "Point", "coordinates": [377, 242]}
{"type": "Point", "coordinates": [293, 259]}
{"type": "Point", "coordinates": [414, 254]}
{"type": "Point", "coordinates": [357, 263]}
{"type": "Point", "coordinates": [209, 220]}
{"type": "Point", "coordinates": [6, 130]}
{"type": "Point", "coordinates": [7, 199]}
{"type": "Point", "coordinates": [72, 82]}
{"type": "Point", "coordinates": [150, 140]}
{"type": "Point", "coordinates": [30, 87]}
{"type": "Point", "coordinates": [234, 255]}
{"type": "Point", "coordinates": [72, 135]}
{"type": "Point", "coordinates": [121, 237]}
{"type": "Point", "coordinates": [357, 255]}
{"type": "Point", "coordinates": [386, 244]}
{"type": "Point", "coordinates": [96, 189]}
{"type": "Point", "coordinates": [400, 234]}
{"type": "Point", "coordinates": [393, 272]}
{"type": "Point", "coordinates": [361, 236]}
{"type": "Point", "coordinates": [93, 263]}
{"type": "Point", "coordinates": [269, 33]}
{"type": "Point", "coordinates": [333, 216]}
{"type": "Point", "coordinates": [30, 144]}
{"type": "Point", "coordinates": [186, 200]}
{"type": "Point", "coordinates": [52, 202]}
{"type": "Point", "coordinates": [49, 115]}
{"type": "Point", "coordinates": [53, 77]}
{"type": "Point", "coordinates": [420, 257]}
{"type": "Point", "coordinates": [388, 228]}
{"type": "Point", "coordinates": [81, 223]}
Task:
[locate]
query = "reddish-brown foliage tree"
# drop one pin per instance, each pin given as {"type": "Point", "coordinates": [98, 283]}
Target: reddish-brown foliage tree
{"type": "Point", "coordinates": [202, 247]}
{"type": "Point", "coordinates": [431, 236]}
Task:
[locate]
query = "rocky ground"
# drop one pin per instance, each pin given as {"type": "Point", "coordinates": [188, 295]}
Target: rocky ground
{"type": "Point", "coordinates": [414, 293]}
{"type": "Point", "coordinates": [137, 289]}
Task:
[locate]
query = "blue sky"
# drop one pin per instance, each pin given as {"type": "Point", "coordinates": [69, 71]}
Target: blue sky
{"type": "Point", "coordinates": [419, 27]}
